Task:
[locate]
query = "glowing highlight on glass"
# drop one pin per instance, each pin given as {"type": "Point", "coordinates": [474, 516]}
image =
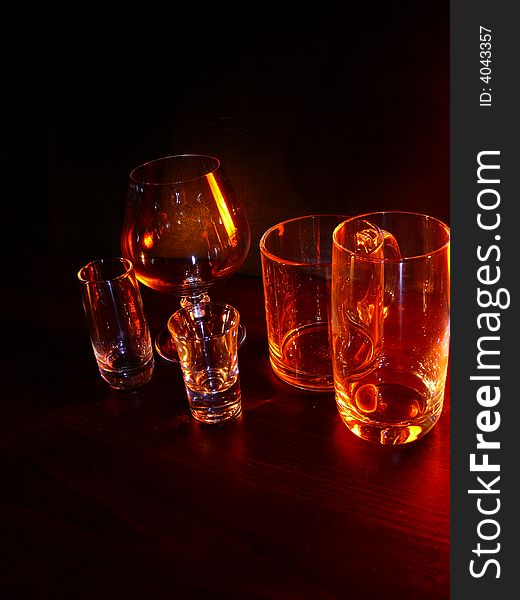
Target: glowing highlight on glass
{"type": "Point", "coordinates": [148, 240]}
{"type": "Point", "coordinates": [223, 209]}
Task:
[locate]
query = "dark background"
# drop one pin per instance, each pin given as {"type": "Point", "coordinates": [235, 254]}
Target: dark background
{"type": "Point", "coordinates": [342, 111]}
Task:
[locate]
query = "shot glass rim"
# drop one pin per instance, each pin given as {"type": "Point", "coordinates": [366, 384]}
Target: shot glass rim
{"type": "Point", "coordinates": [366, 216]}
{"type": "Point", "coordinates": [124, 261]}
{"type": "Point", "coordinates": [218, 335]}
{"type": "Point", "coordinates": [144, 182]}
{"type": "Point", "coordinates": [282, 261]}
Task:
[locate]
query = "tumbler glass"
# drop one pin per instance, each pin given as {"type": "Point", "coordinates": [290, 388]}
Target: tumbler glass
{"type": "Point", "coordinates": [116, 321]}
{"type": "Point", "coordinates": [207, 346]}
{"type": "Point", "coordinates": [296, 267]}
{"type": "Point", "coordinates": [390, 324]}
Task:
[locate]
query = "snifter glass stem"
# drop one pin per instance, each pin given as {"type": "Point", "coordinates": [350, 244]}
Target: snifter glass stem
{"type": "Point", "coordinates": [195, 302]}
{"type": "Point", "coordinates": [164, 344]}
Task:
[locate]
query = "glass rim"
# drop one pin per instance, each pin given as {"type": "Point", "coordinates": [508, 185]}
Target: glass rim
{"type": "Point", "coordinates": [403, 259]}
{"type": "Point", "coordinates": [111, 259]}
{"type": "Point", "coordinates": [283, 261]}
{"type": "Point", "coordinates": [236, 316]}
{"type": "Point", "coordinates": [173, 181]}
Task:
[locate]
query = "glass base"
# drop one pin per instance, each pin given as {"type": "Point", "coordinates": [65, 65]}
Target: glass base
{"type": "Point", "coordinates": [165, 346]}
{"type": "Point", "coordinates": [390, 433]}
{"type": "Point", "coordinates": [213, 407]}
{"type": "Point", "coordinates": [127, 377]}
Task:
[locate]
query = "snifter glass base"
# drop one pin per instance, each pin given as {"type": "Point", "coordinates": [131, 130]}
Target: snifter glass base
{"type": "Point", "coordinates": [165, 346]}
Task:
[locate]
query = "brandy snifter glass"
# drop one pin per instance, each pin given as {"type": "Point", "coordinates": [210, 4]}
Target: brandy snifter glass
{"type": "Point", "coordinates": [184, 231]}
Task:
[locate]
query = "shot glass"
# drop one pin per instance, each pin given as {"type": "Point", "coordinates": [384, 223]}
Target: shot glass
{"type": "Point", "coordinates": [296, 268]}
{"type": "Point", "coordinates": [116, 321]}
{"type": "Point", "coordinates": [207, 346]}
{"type": "Point", "coordinates": [390, 324]}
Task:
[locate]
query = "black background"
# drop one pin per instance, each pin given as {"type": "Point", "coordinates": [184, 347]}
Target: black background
{"type": "Point", "coordinates": [322, 110]}
{"type": "Point", "coordinates": [336, 111]}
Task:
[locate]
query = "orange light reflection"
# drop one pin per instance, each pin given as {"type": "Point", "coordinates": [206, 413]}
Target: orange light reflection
{"type": "Point", "coordinates": [223, 209]}
{"type": "Point", "coordinates": [148, 240]}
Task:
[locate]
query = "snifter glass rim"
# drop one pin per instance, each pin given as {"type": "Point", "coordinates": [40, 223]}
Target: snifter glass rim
{"type": "Point", "coordinates": [204, 172]}
{"type": "Point", "coordinates": [284, 261]}
{"type": "Point", "coordinates": [366, 216]}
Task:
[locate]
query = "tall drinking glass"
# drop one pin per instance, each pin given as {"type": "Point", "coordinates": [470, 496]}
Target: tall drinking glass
{"type": "Point", "coordinates": [390, 324]}
{"type": "Point", "coordinates": [117, 323]}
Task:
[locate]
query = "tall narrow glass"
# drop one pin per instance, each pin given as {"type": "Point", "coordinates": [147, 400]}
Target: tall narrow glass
{"type": "Point", "coordinates": [117, 323]}
{"type": "Point", "coordinates": [390, 324]}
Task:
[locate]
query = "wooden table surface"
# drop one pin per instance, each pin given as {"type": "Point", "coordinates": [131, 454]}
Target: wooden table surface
{"type": "Point", "coordinates": [123, 495]}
